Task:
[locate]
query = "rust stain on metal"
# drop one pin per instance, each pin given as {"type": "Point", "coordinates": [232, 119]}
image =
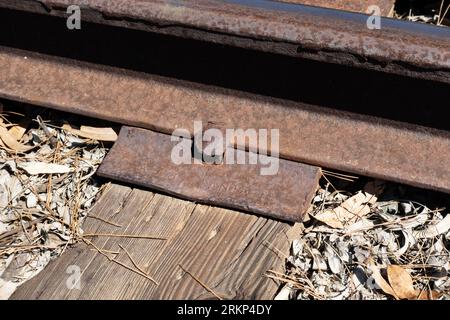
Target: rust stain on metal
{"type": "Point", "coordinates": [361, 6]}
{"type": "Point", "coordinates": [354, 143]}
{"type": "Point", "coordinates": [327, 35]}
{"type": "Point", "coordinates": [144, 157]}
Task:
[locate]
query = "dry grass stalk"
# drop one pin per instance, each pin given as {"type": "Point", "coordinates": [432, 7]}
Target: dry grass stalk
{"type": "Point", "coordinates": [41, 212]}
{"type": "Point", "coordinates": [104, 253]}
{"type": "Point", "coordinates": [201, 283]}
{"type": "Point", "coordinates": [113, 235]}
{"type": "Point", "coordinates": [104, 220]}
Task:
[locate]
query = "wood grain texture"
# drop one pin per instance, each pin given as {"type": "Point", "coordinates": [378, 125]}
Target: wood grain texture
{"type": "Point", "coordinates": [229, 251]}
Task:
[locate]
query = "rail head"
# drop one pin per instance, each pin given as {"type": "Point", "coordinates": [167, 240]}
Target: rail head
{"type": "Point", "coordinates": [328, 35]}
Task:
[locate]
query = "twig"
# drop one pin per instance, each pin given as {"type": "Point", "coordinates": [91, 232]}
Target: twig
{"type": "Point", "coordinates": [132, 260]}
{"type": "Point", "coordinates": [304, 279]}
{"type": "Point", "coordinates": [50, 136]}
{"type": "Point", "coordinates": [441, 19]}
{"type": "Point", "coordinates": [120, 263]}
{"type": "Point", "coordinates": [294, 282]}
{"type": "Point", "coordinates": [112, 235]}
{"type": "Point", "coordinates": [272, 247]}
{"type": "Point", "coordinates": [49, 190]}
{"type": "Point", "coordinates": [136, 271]}
{"type": "Point", "coordinates": [201, 283]}
{"type": "Point", "coordinates": [340, 176]}
{"type": "Point", "coordinates": [16, 249]}
{"type": "Point", "coordinates": [323, 175]}
{"type": "Point", "coordinates": [108, 251]}
{"type": "Point", "coordinates": [18, 229]}
{"type": "Point", "coordinates": [24, 228]}
{"type": "Point", "coordinates": [104, 220]}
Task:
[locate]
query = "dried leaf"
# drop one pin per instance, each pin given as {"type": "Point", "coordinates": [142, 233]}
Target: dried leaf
{"type": "Point", "coordinates": [284, 293]}
{"type": "Point", "coordinates": [15, 187]}
{"type": "Point", "coordinates": [318, 261]}
{"type": "Point", "coordinates": [411, 222]}
{"type": "Point", "coordinates": [11, 164]}
{"type": "Point", "coordinates": [11, 142]}
{"type": "Point", "coordinates": [408, 241]}
{"type": "Point", "coordinates": [100, 134]}
{"type": "Point", "coordinates": [17, 132]}
{"type": "Point", "coordinates": [434, 230]}
{"type": "Point", "coordinates": [407, 208]}
{"type": "Point", "coordinates": [334, 262]}
{"type": "Point", "coordinates": [379, 280]}
{"type": "Point", "coordinates": [36, 167]}
{"type": "Point", "coordinates": [401, 282]}
{"type": "Point", "coordinates": [3, 146]}
{"type": "Point", "coordinates": [362, 225]}
{"type": "Point", "coordinates": [348, 212]}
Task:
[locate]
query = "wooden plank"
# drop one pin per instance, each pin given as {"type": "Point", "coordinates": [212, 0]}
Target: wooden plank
{"type": "Point", "coordinates": [227, 250]}
{"type": "Point", "coordinates": [161, 216]}
{"type": "Point", "coordinates": [217, 238]}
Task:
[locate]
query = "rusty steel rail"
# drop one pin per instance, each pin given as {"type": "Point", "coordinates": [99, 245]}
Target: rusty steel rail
{"type": "Point", "coordinates": [144, 157]}
{"type": "Point", "coordinates": [344, 141]}
{"type": "Point", "coordinates": [386, 6]}
{"type": "Point", "coordinates": [399, 47]}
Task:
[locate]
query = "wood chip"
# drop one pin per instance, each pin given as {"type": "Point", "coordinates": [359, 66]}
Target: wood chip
{"type": "Point", "coordinates": [36, 167]}
{"type": "Point", "coordinates": [10, 141]}
{"type": "Point", "coordinates": [94, 133]}
{"type": "Point", "coordinates": [17, 132]}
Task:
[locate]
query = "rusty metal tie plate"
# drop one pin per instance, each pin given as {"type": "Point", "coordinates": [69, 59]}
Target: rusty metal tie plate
{"type": "Point", "coordinates": [143, 157]}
